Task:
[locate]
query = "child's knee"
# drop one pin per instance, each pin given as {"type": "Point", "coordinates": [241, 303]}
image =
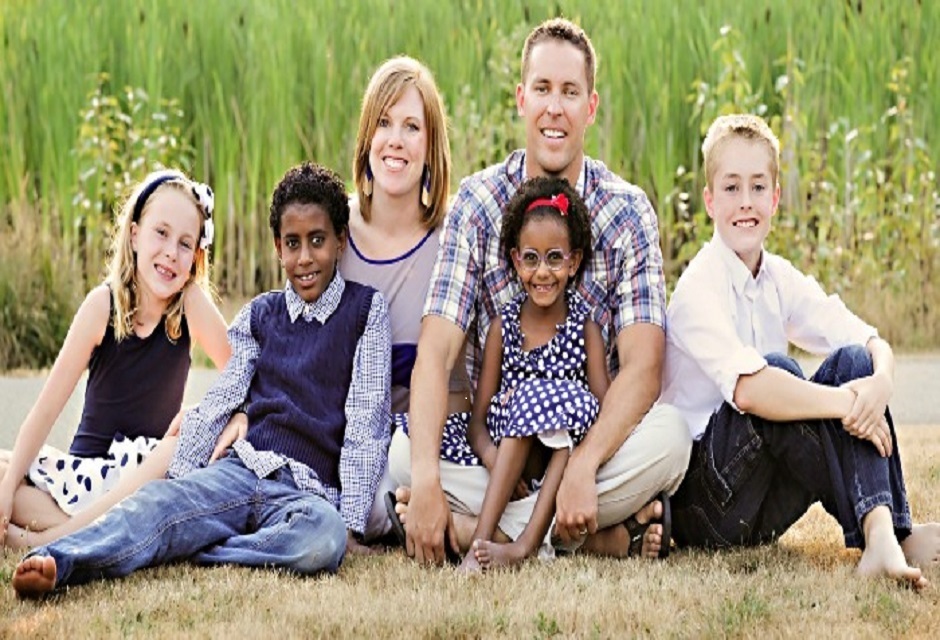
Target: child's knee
{"type": "Point", "coordinates": [853, 362]}
{"type": "Point", "coordinates": [785, 362]}
{"type": "Point", "coordinates": [324, 548]}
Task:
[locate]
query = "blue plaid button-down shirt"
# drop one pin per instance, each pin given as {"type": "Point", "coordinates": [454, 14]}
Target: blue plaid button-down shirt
{"type": "Point", "coordinates": [623, 281]}
{"type": "Point", "coordinates": [365, 446]}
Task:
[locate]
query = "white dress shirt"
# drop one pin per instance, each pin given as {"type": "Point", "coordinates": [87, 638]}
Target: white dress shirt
{"type": "Point", "coordinates": [721, 321]}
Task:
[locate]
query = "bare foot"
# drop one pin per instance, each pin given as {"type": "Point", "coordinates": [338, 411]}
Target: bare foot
{"type": "Point", "coordinates": [494, 554]}
{"type": "Point", "coordinates": [922, 547]}
{"type": "Point", "coordinates": [34, 577]}
{"type": "Point", "coordinates": [883, 555]}
{"type": "Point", "coordinates": [615, 541]}
{"type": "Point", "coordinates": [464, 525]}
{"type": "Point", "coordinates": [470, 564]}
{"type": "Point", "coordinates": [17, 538]}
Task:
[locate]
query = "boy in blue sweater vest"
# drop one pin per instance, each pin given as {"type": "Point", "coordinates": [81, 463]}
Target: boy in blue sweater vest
{"type": "Point", "coordinates": [313, 361]}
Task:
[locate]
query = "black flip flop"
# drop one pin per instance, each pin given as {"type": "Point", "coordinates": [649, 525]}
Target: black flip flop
{"type": "Point", "coordinates": [398, 528]}
{"type": "Point", "coordinates": [636, 530]}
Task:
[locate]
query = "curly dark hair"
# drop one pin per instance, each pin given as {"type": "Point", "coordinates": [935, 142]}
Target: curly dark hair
{"type": "Point", "coordinates": [578, 220]}
{"type": "Point", "coordinates": [310, 183]}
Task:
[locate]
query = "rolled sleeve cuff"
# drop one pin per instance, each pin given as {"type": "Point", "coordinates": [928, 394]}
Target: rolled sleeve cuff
{"type": "Point", "coordinates": [744, 361]}
{"type": "Point", "coordinates": [862, 334]}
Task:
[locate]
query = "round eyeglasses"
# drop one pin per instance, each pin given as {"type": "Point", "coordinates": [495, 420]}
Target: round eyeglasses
{"type": "Point", "coordinates": [530, 259]}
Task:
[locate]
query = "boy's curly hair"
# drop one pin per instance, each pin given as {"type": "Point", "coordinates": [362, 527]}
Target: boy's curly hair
{"type": "Point", "coordinates": [578, 220]}
{"type": "Point", "coordinates": [310, 183]}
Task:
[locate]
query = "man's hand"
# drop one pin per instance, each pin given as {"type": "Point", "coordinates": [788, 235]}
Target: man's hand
{"type": "Point", "coordinates": [236, 429]}
{"type": "Point", "coordinates": [429, 520]}
{"type": "Point", "coordinates": [576, 503]}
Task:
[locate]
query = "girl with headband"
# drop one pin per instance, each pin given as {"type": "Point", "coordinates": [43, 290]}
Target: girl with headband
{"type": "Point", "coordinates": [133, 333]}
{"type": "Point", "coordinates": [544, 372]}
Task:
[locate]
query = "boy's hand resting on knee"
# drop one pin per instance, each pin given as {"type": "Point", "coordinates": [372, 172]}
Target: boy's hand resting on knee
{"type": "Point", "coordinates": [866, 419]}
{"type": "Point", "coordinates": [871, 401]}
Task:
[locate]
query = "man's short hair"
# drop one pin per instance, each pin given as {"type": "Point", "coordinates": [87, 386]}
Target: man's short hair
{"type": "Point", "coordinates": [563, 31]}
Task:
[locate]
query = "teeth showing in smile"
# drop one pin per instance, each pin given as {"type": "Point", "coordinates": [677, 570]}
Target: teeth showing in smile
{"type": "Point", "coordinates": [394, 163]}
{"type": "Point", "coordinates": [553, 133]}
{"type": "Point", "coordinates": [747, 224]}
{"type": "Point", "coordinates": [310, 277]}
{"type": "Point", "coordinates": [166, 273]}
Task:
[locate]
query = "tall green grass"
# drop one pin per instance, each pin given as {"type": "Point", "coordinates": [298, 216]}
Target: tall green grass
{"type": "Point", "coordinates": [264, 85]}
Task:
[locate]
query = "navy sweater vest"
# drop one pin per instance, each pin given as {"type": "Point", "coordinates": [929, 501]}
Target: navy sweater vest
{"type": "Point", "coordinates": [297, 398]}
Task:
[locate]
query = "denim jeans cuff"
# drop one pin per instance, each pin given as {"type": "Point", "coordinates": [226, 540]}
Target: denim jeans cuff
{"type": "Point", "coordinates": [900, 519]}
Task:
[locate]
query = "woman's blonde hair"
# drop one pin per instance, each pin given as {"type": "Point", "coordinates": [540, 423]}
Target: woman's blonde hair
{"type": "Point", "coordinates": [122, 266]}
{"type": "Point", "coordinates": [386, 87]}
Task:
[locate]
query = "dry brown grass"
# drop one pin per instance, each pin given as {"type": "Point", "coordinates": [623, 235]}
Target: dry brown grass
{"type": "Point", "coordinates": [803, 586]}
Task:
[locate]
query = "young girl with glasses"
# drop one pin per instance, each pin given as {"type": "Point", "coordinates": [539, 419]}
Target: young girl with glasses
{"type": "Point", "coordinates": [543, 374]}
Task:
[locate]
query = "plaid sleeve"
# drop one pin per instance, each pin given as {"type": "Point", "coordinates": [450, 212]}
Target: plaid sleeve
{"type": "Point", "coordinates": [363, 457]}
{"type": "Point", "coordinates": [201, 426]}
{"type": "Point", "coordinates": [452, 292]}
{"type": "Point", "coordinates": [640, 288]}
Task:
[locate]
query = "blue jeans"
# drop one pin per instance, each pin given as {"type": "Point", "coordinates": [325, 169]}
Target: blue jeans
{"type": "Point", "coordinates": [220, 514]}
{"type": "Point", "coordinates": [750, 479]}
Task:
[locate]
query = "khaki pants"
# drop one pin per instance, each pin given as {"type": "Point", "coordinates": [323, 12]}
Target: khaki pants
{"type": "Point", "coordinates": [653, 459]}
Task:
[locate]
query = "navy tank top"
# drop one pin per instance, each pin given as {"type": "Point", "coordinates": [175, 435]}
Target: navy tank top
{"type": "Point", "coordinates": [135, 387]}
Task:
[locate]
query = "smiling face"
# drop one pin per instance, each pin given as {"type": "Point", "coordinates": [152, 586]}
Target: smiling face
{"type": "Point", "coordinates": [545, 235]}
{"type": "Point", "coordinates": [743, 197]}
{"type": "Point", "coordinates": [164, 241]}
{"type": "Point", "coordinates": [400, 146]}
{"type": "Point", "coordinates": [557, 107]}
{"type": "Point", "coordinates": [309, 248]}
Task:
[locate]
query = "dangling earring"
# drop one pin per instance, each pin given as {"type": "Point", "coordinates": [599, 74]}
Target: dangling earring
{"type": "Point", "coordinates": [367, 187]}
{"type": "Point", "coordinates": [426, 187]}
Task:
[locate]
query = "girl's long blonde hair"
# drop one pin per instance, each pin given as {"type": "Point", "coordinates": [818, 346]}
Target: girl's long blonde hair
{"type": "Point", "coordinates": [122, 267]}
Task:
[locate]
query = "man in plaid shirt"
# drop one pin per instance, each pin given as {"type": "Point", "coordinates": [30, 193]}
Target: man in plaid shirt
{"type": "Point", "coordinates": [635, 451]}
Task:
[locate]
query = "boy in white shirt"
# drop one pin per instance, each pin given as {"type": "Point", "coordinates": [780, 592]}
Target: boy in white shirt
{"type": "Point", "coordinates": [769, 443]}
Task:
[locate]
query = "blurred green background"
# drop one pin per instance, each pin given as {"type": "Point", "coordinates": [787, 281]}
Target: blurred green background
{"type": "Point", "coordinates": [94, 94]}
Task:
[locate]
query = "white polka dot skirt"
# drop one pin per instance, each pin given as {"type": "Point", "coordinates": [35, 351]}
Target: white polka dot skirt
{"type": "Point", "coordinates": [75, 482]}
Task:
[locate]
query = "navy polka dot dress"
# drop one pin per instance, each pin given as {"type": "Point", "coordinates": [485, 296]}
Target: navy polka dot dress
{"type": "Point", "coordinates": [542, 392]}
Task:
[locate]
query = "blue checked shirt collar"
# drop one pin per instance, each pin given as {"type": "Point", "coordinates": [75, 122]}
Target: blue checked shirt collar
{"type": "Point", "coordinates": [321, 308]}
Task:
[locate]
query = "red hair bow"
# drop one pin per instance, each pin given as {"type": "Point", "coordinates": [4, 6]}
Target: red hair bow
{"type": "Point", "coordinates": [559, 202]}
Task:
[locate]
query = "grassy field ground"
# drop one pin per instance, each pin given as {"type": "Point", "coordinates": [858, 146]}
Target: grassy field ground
{"type": "Point", "coordinates": [804, 586]}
